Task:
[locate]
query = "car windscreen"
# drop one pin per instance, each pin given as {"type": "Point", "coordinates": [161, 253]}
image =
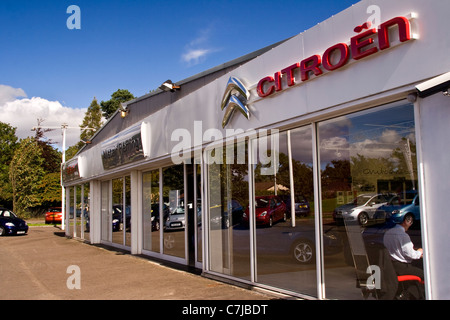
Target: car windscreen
{"type": "Point", "coordinates": [7, 214]}
{"type": "Point", "coordinates": [262, 203]}
{"type": "Point", "coordinates": [178, 210]}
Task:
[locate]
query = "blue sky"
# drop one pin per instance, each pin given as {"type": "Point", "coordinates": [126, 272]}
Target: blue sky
{"type": "Point", "coordinates": [134, 45]}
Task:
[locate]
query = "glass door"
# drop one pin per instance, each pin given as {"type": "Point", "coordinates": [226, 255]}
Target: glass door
{"type": "Point", "coordinates": [229, 248]}
{"type": "Point", "coordinates": [285, 239]}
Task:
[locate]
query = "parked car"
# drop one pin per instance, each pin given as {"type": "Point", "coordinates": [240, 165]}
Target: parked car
{"type": "Point", "coordinates": [361, 209]}
{"type": "Point", "coordinates": [220, 219]}
{"type": "Point", "coordinates": [396, 209]}
{"type": "Point", "coordinates": [302, 208]}
{"type": "Point", "coordinates": [155, 215]}
{"type": "Point", "coordinates": [117, 218]}
{"type": "Point", "coordinates": [53, 215]}
{"type": "Point", "coordinates": [398, 215]}
{"type": "Point", "coordinates": [298, 243]}
{"type": "Point", "coordinates": [10, 224]}
{"type": "Point", "coordinates": [175, 219]}
{"type": "Point", "coordinates": [268, 210]}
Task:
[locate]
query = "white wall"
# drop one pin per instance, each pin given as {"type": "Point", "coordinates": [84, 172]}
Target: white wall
{"type": "Point", "coordinates": [434, 161]}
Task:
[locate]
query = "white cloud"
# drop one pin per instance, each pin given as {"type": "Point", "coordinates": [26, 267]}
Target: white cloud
{"type": "Point", "coordinates": [197, 49]}
{"type": "Point", "coordinates": [194, 56]}
{"type": "Point", "coordinates": [23, 114]}
{"type": "Point", "coordinates": [8, 93]}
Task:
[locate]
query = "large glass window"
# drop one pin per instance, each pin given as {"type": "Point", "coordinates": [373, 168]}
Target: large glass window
{"type": "Point", "coordinates": [368, 173]}
{"type": "Point", "coordinates": [198, 206]}
{"type": "Point", "coordinates": [77, 211]}
{"type": "Point", "coordinates": [175, 222]}
{"type": "Point", "coordinates": [127, 212]}
{"type": "Point", "coordinates": [105, 212]}
{"type": "Point", "coordinates": [70, 213]}
{"type": "Point", "coordinates": [86, 212]}
{"type": "Point", "coordinates": [121, 211]}
{"type": "Point", "coordinates": [117, 211]}
{"type": "Point", "coordinates": [152, 214]}
{"type": "Point", "coordinates": [285, 231]}
{"type": "Point", "coordinates": [229, 237]}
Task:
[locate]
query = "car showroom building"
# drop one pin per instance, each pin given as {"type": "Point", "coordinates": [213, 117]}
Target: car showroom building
{"type": "Point", "coordinates": [281, 169]}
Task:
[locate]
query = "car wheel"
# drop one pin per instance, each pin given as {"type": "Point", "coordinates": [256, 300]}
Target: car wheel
{"type": "Point", "coordinates": [270, 222]}
{"type": "Point", "coordinates": [226, 224]}
{"type": "Point", "coordinates": [303, 252]}
{"type": "Point", "coordinates": [2, 231]}
{"type": "Point", "coordinates": [284, 217]}
{"type": "Point", "coordinates": [363, 218]}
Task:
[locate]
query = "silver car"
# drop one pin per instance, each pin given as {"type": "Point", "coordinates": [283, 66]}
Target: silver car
{"type": "Point", "coordinates": [362, 208]}
{"type": "Point", "coordinates": [175, 220]}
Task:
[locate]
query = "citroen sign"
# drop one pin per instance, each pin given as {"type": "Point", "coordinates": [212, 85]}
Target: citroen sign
{"type": "Point", "coordinates": [235, 97]}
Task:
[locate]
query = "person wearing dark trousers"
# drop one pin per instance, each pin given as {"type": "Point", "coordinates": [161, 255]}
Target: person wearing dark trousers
{"type": "Point", "coordinates": [402, 251]}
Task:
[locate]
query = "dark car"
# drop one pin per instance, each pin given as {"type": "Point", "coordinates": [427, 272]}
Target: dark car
{"type": "Point", "coordinates": [301, 205]}
{"type": "Point", "coordinates": [221, 218]}
{"type": "Point", "coordinates": [117, 218]}
{"type": "Point", "coordinates": [268, 210]}
{"type": "Point", "coordinates": [297, 243]}
{"type": "Point", "coordinates": [10, 224]}
{"type": "Point", "coordinates": [155, 215]}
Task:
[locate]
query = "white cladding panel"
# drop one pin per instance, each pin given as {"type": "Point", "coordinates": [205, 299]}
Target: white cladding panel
{"type": "Point", "coordinates": [435, 156]}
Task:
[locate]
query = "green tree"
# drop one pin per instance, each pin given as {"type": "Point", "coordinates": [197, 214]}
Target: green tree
{"type": "Point", "coordinates": [51, 156]}
{"type": "Point", "coordinates": [50, 192]}
{"type": "Point", "coordinates": [26, 173]}
{"type": "Point", "coordinates": [92, 119]}
{"type": "Point", "coordinates": [72, 150]}
{"type": "Point", "coordinates": [8, 144]}
{"type": "Point", "coordinates": [118, 97]}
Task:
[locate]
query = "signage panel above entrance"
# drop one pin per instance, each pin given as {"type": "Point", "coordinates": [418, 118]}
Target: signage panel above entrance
{"type": "Point", "coordinates": [125, 147]}
{"type": "Point", "coordinates": [368, 41]}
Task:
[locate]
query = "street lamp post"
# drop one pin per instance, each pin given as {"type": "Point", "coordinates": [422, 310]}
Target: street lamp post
{"type": "Point", "coordinates": [64, 128]}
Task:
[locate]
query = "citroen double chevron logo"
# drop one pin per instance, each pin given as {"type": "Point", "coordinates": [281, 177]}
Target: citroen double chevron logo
{"type": "Point", "coordinates": [235, 97]}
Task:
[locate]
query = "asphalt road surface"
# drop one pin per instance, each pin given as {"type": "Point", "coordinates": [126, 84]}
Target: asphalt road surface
{"type": "Point", "coordinates": [45, 265]}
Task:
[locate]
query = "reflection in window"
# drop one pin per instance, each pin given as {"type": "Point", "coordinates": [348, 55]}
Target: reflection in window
{"type": "Point", "coordinates": [117, 211]}
{"type": "Point", "coordinates": [229, 239]}
{"type": "Point", "coordinates": [151, 211]}
{"type": "Point", "coordinates": [285, 233]}
{"type": "Point", "coordinates": [70, 212]}
{"type": "Point", "coordinates": [127, 218]}
{"type": "Point", "coordinates": [86, 211]}
{"type": "Point", "coordinates": [368, 171]}
{"type": "Point", "coordinates": [198, 206]}
{"type": "Point", "coordinates": [105, 212]}
{"type": "Point", "coordinates": [174, 222]}
{"type": "Point", "coordinates": [77, 211]}
{"type": "Point", "coordinates": [121, 211]}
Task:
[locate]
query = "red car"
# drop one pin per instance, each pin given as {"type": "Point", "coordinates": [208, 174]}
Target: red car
{"type": "Point", "coordinates": [53, 215]}
{"type": "Point", "coordinates": [268, 209]}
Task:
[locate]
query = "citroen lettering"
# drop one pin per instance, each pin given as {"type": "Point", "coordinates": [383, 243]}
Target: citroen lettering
{"type": "Point", "coordinates": [367, 42]}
